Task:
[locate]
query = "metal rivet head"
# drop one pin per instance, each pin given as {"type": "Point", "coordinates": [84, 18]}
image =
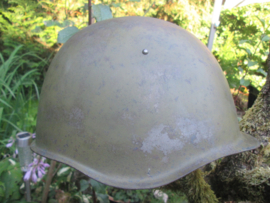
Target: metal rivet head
{"type": "Point", "coordinates": [145, 51]}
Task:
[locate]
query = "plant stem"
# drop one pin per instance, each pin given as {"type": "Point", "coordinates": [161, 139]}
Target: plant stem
{"type": "Point", "coordinates": [48, 182]}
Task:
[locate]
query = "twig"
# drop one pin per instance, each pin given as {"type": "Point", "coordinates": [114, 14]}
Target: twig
{"type": "Point", "coordinates": [89, 12]}
{"type": "Point", "coordinates": [48, 182]}
{"type": "Point", "coordinates": [57, 169]}
{"type": "Point", "coordinates": [94, 196]}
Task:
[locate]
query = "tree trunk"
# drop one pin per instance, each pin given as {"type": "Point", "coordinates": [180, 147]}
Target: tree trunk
{"type": "Point", "coordinates": [240, 177]}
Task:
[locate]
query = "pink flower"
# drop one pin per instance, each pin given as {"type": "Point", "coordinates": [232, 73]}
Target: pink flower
{"type": "Point", "coordinates": [10, 142]}
{"type": "Point", "coordinates": [36, 170]}
{"type": "Point", "coordinates": [34, 135]}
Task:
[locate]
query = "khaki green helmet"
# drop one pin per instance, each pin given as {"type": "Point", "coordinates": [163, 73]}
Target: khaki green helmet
{"type": "Point", "coordinates": [136, 102]}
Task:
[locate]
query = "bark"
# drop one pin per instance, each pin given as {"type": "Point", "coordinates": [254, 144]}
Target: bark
{"type": "Point", "coordinates": [241, 177]}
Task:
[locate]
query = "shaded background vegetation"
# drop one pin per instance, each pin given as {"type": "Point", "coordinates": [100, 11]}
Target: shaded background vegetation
{"type": "Point", "coordinates": [28, 42]}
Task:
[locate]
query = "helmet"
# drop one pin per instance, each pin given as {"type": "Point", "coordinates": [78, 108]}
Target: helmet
{"type": "Point", "coordinates": [136, 103]}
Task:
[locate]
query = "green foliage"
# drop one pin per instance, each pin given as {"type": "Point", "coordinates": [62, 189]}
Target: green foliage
{"type": "Point", "coordinates": [83, 185]}
{"type": "Point", "coordinates": [101, 12]}
{"type": "Point", "coordinates": [10, 180]}
{"type": "Point", "coordinates": [18, 93]}
{"type": "Point", "coordinates": [241, 45]}
{"type": "Point", "coordinates": [132, 195]}
{"type": "Point", "coordinates": [98, 187]}
{"type": "Point", "coordinates": [194, 187]}
{"type": "Point", "coordinates": [194, 16]}
{"type": "Point", "coordinates": [66, 33]}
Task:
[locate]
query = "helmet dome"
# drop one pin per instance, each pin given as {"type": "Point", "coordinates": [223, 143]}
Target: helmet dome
{"type": "Point", "coordinates": [136, 102]}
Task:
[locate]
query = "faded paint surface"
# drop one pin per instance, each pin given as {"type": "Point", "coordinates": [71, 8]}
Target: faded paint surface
{"type": "Point", "coordinates": [157, 139]}
{"type": "Point", "coordinates": [166, 140]}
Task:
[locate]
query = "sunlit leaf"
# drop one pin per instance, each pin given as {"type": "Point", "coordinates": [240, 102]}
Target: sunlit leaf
{"type": "Point", "coordinates": [67, 23]}
{"type": "Point", "coordinates": [116, 4]}
{"type": "Point", "coordinates": [50, 23]}
{"type": "Point", "coordinates": [248, 51]}
{"type": "Point", "coordinates": [66, 33]}
{"type": "Point", "coordinates": [241, 69]}
{"type": "Point", "coordinates": [262, 21]}
{"type": "Point", "coordinates": [260, 70]}
{"type": "Point", "coordinates": [37, 29]}
{"type": "Point", "coordinates": [243, 41]}
{"type": "Point", "coordinates": [265, 38]}
{"type": "Point", "coordinates": [244, 82]}
{"type": "Point", "coordinates": [101, 12]}
{"type": "Point", "coordinates": [252, 63]}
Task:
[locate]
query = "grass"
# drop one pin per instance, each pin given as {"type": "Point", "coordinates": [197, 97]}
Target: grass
{"type": "Point", "coordinates": [19, 93]}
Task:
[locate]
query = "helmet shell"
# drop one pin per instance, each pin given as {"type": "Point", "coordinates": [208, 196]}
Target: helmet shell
{"type": "Point", "coordinates": [136, 102]}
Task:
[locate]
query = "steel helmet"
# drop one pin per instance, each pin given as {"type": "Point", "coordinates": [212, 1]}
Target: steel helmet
{"type": "Point", "coordinates": [136, 102]}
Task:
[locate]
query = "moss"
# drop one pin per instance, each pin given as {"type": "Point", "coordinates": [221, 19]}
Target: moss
{"type": "Point", "coordinates": [241, 177]}
{"type": "Point", "coordinates": [195, 188]}
{"type": "Point", "coordinates": [245, 176]}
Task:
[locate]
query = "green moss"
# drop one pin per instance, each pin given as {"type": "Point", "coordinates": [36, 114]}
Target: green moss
{"type": "Point", "coordinates": [245, 176]}
{"type": "Point", "coordinates": [195, 188]}
{"type": "Point", "coordinates": [240, 177]}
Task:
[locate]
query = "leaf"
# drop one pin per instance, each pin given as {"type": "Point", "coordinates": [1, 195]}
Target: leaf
{"type": "Point", "coordinates": [1, 112]}
{"type": "Point", "coordinates": [62, 170]}
{"type": "Point", "coordinates": [50, 23]}
{"type": "Point", "coordinates": [252, 63]}
{"type": "Point", "coordinates": [12, 178]}
{"type": "Point", "coordinates": [262, 21]}
{"type": "Point", "coordinates": [84, 184]}
{"type": "Point", "coordinates": [37, 29]}
{"type": "Point", "coordinates": [260, 70]}
{"type": "Point", "coordinates": [98, 187]}
{"type": "Point", "coordinates": [103, 198]}
{"type": "Point", "coordinates": [69, 177]}
{"type": "Point", "coordinates": [66, 33]}
{"type": "Point", "coordinates": [244, 82]}
{"type": "Point", "coordinates": [243, 41]}
{"type": "Point", "coordinates": [116, 4]}
{"type": "Point", "coordinates": [2, 189]}
{"type": "Point", "coordinates": [265, 38]}
{"type": "Point", "coordinates": [13, 163]}
{"type": "Point", "coordinates": [135, 0]}
{"type": "Point", "coordinates": [248, 51]}
{"type": "Point", "coordinates": [3, 102]}
{"type": "Point", "coordinates": [66, 23]}
{"type": "Point", "coordinates": [240, 69]}
{"type": "Point", "coordinates": [101, 12]}
{"type": "Point", "coordinates": [3, 165]}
